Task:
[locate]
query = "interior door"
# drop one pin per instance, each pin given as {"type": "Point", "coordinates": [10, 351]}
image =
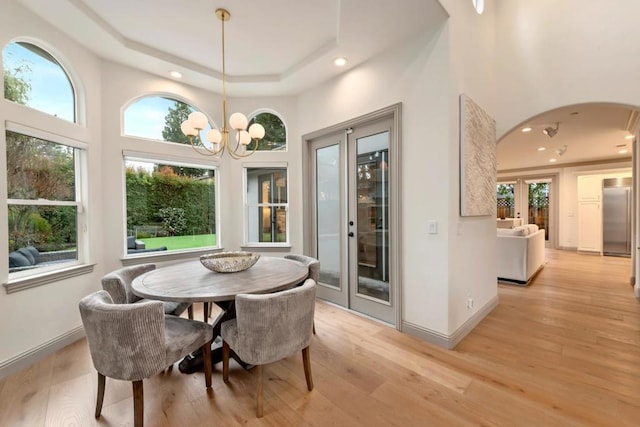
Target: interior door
{"type": "Point", "coordinates": [351, 198]}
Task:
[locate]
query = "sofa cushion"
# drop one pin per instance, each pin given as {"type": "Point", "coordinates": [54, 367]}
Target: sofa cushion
{"type": "Point", "coordinates": [28, 255]}
{"type": "Point", "coordinates": [16, 259]}
{"type": "Point", "coordinates": [517, 231]}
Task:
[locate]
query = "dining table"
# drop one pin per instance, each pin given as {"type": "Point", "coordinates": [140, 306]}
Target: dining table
{"type": "Point", "coordinates": [192, 282]}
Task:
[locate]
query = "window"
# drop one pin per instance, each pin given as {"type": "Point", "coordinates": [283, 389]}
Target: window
{"type": "Point", "coordinates": [34, 78]}
{"type": "Point", "coordinates": [44, 206]}
{"type": "Point", "coordinates": [275, 136]}
{"type": "Point", "coordinates": [170, 206]}
{"type": "Point", "coordinates": [505, 200]}
{"type": "Point", "coordinates": [266, 202]}
{"type": "Point", "coordinates": [159, 118]}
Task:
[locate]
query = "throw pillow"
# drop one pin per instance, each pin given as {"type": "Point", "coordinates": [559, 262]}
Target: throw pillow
{"type": "Point", "coordinates": [16, 259]}
{"type": "Point", "coordinates": [28, 255]}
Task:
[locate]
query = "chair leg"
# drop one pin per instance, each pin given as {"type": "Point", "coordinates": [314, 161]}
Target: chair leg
{"type": "Point", "coordinates": [190, 312]}
{"type": "Point", "coordinates": [306, 361]}
{"type": "Point", "coordinates": [205, 312]}
{"type": "Point", "coordinates": [138, 404]}
{"type": "Point", "coordinates": [225, 361]}
{"type": "Point", "coordinates": [210, 309]}
{"type": "Point", "coordinates": [259, 391]}
{"type": "Point", "coordinates": [100, 398]}
{"type": "Point", "coordinates": [314, 327]}
{"type": "Point", "coordinates": [206, 355]}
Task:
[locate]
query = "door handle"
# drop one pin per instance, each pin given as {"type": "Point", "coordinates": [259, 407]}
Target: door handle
{"type": "Point", "coordinates": [351, 234]}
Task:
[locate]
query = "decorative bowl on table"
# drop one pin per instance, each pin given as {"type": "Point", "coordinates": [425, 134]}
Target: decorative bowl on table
{"type": "Point", "coordinates": [229, 262]}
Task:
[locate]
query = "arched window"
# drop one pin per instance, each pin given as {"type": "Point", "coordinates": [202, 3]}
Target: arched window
{"type": "Point", "coordinates": [158, 117]}
{"type": "Point", "coordinates": [33, 77]}
{"type": "Point", "coordinates": [275, 137]}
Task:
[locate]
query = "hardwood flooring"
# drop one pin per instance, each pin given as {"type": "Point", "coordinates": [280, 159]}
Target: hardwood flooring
{"type": "Point", "coordinates": [564, 351]}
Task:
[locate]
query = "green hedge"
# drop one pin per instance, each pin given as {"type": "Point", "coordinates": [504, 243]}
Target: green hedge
{"type": "Point", "coordinates": [148, 193]}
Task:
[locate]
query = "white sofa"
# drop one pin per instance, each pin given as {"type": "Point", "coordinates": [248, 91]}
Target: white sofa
{"type": "Point", "coordinates": [520, 253]}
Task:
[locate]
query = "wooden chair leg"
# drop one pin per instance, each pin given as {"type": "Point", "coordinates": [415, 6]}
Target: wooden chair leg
{"type": "Point", "coordinates": [225, 361]}
{"type": "Point", "coordinates": [206, 355]}
{"type": "Point", "coordinates": [100, 398]}
{"type": "Point", "coordinates": [210, 309]}
{"type": "Point", "coordinates": [190, 312]}
{"type": "Point", "coordinates": [314, 327]}
{"type": "Point", "coordinates": [259, 391]}
{"type": "Point", "coordinates": [138, 404]}
{"type": "Point", "coordinates": [205, 312]}
{"type": "Point", "coordinates": [306, 361]}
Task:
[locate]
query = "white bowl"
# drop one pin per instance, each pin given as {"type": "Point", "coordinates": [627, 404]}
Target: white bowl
{"type": "Point", "coordinates": [229, 262]}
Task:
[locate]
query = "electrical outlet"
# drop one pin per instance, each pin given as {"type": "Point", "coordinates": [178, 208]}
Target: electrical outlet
{"type": "Point", "coordinates": [469, 303]}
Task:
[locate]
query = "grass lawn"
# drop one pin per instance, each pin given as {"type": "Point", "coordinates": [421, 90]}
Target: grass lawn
{"type": "Point", "coordinates": [181, 242]}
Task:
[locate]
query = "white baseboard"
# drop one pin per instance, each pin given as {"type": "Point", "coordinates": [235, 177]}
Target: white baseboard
{"type": "Point", "coordinates": [29, 357]}
{"type": "Point", "coordinates": [450, 341]}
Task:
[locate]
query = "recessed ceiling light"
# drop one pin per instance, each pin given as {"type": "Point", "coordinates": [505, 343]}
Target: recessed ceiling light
{"type": "Point", "coordinates": [552, 160]}
{"type": "Point", "coordinates": [541, 148]}
{"type": "Point", "coordinates": [527, 129]}
{"type": "Point", "coordinates": [623, 151]}
{"type": "Point", "coordinates": [479, 5]}
{"type": "Point", "coordinates": [176, 74]}
{"type": "Point", "coordinates": [340, 62]}
{"type": "Point", "coordinates": [628, 137]}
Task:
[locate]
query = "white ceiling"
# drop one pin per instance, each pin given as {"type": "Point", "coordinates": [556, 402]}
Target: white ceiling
{"type": "Point", "coordinates": [276, 47]}
{"type": "Point", "coordinates": [283, 47]}
{"type": "Point", "coordinates": [591, 132]}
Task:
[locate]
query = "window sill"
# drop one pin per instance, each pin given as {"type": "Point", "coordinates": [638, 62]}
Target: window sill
{"type": "Point", "coordinates": [150, 257]}
{"type": "Point", "coordinates": [269, 247]}
{"type": "Point", "coordinates": [29, 282]}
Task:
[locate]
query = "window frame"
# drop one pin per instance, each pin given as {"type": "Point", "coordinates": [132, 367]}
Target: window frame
{"type": "Point", "coordinates": [149, 157]}
{"type": "Point", "coordinates": [247, 206]}
{"type": "Point", "coordinates": [26, 279]}
{"type": "Point", "coordinates": [256, 113]}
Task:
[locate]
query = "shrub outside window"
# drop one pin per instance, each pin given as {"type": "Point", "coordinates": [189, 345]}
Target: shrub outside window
{"type": "Point", "coordinates": [266, 206]}
{"type": "Point", "coordinates": [170, 206]}
{"type": "Point", "coordinates": [275, 136]}
{"type": "Point", "coordinates": [44, 204]}
{"type": "Point", "coordinates": [34, 78]}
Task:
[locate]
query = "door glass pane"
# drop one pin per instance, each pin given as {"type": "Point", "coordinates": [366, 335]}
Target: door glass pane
{"type": "Point", "coordinates": [372, 192]}
{"type": "Point", "coordinates": [539, 205]}
{"type": "Point", "coordinates": [328, 213]}
{"type": "Point", "coordinates": [505, 201]}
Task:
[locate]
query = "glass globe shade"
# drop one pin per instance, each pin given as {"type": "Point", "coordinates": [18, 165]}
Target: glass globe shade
{"type": "Point", "coordinates": [187, 129]}
{"type": "Point", "coordinates": [256, 131]}
{"type": "Point", "coordinates": [214, 136]}
{"type": "Point", "coordinates": [198, 120]}
{"type": "Point", "coordinates": [243, 137]}
{"type": "Point", "coordinates": [238, 121]}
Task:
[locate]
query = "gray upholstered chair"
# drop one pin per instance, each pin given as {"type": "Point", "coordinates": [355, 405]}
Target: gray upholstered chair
{"type": "Point", "coordinates": [270, 327]}
{"type": "Point", "coordinates": [118, 284]}
{"type": "Point", "coordinates": [131, 342]}
{"type": "Point", "coordinates": [314, 270]}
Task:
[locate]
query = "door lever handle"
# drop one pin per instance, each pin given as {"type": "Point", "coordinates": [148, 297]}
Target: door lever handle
{"type": "Point", "coordinates": [351, 234]}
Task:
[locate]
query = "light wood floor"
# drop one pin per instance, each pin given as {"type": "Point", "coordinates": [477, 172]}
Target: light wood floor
{"type": "Point", "coordinates": [564, 351]}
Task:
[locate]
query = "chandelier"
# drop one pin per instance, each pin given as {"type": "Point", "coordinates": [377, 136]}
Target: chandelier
{"type": "Point", "coordinates": [219, 138]}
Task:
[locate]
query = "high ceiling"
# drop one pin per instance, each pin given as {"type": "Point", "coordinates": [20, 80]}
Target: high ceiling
{"type": "Point", "coordinates": [283, 47]}
{"type": "Point", "coordinates": [586, 133]}
{"type": "Point", "coordinates": [276, 47]}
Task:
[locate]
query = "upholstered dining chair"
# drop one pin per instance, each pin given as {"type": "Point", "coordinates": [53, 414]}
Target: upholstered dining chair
{"type": "Point", "coordinates": [314, 270]}
{"type": "Point", "coordinates": [131, 342]}
{"type": "Point", "coordinates": [118, 284]}
{"type": "Point", "coordinates": [270, 327]}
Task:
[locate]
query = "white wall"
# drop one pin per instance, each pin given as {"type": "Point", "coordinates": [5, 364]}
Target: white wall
{"type": "Point", "coordinates": [38, 316]}
{"type": "Point", "coordinates": [557, 53]}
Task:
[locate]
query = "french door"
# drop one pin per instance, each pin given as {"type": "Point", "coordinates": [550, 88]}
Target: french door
{"type": "Point", "coordinates": [532, 199]}
{"type": "Point", "coordinates": [352, 227]}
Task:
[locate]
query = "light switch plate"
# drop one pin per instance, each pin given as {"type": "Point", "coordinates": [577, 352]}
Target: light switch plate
{"type": "Point", "coordinates": [432, 227]}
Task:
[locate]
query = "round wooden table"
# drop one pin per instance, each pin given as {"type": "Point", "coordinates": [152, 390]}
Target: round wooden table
{"type": "Point", "coordinates": [192, 282]}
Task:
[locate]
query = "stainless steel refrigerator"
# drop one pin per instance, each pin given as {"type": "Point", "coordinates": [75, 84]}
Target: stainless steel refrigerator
{"type": "Point", "coordinates": [616, 216]}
